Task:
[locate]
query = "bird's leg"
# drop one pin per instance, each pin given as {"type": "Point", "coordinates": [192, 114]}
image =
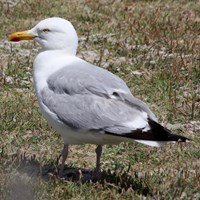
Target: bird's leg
{"type": "Point", "coordinates": [98, 151]}
{"type": "Point", "coordinates": [64, 157]}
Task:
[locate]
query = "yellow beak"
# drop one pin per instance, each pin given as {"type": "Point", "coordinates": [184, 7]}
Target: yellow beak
{"type": "Point", "coordinates": [24, 35]}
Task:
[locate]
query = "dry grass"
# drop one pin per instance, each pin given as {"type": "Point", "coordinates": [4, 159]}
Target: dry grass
{"type": "Point", "coordinates": [155, 47]}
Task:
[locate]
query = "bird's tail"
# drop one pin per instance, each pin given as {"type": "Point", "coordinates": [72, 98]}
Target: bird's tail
{"type": "Point", "coordinates": [156, 135]}
{"type": "Point", "coordinates": [159, 135]}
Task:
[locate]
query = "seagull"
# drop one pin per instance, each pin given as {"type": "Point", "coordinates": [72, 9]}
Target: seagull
{"type": "Point", "coordinates": [84, 103]}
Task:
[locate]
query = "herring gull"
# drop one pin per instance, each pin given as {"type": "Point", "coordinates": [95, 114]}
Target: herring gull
{"type": "Point", "coordinates": [83, 102]}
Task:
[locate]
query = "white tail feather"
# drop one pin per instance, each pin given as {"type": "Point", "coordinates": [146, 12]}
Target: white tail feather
{"type": "Point", "coordinates": [151, 143]}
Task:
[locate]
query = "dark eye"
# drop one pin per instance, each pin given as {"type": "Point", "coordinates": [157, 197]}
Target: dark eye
{"type": "Point", "coordinates": [46, 30]}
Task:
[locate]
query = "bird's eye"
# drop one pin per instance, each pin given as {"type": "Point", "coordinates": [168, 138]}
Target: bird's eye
{"type": "Point", "coordinates": [46, 30]}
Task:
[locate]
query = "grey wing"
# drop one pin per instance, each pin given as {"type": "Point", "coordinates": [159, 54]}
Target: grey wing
{"type": "Point", "coordinates": [86, 78]}
{"type": "Point", "coordinates": [89, 97]}
{"type": "Point", "coordinates": [92, 112]}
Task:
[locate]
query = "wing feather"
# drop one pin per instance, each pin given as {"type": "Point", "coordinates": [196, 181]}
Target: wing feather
{"type": "Point", "coordinates": [88, 97]}
{"type": "Point", "coordinates": [92, 112]}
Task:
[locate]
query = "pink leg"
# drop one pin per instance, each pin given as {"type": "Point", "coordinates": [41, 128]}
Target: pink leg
{"type": "Point", "coordinates": [64, 157]}
{"type": "Point", "coordinates": [98, 151]}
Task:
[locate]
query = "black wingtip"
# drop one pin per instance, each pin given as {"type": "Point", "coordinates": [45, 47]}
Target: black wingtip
{"type": "Point", "coordinates": [178, 138]}
{"type": "Point", "coordinates": [156, 133]}
{"type": "Point", "coordinates": [165, 133]}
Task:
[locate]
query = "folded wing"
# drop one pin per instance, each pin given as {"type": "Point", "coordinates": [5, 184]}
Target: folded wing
{"type": "Point", "coordinates": [86, 97]}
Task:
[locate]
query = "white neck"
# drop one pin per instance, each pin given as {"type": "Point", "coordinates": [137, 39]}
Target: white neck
{"type": "Point", "coordinates": [47, 63]}
{"type": "Point", "coordinates": [70, 50]}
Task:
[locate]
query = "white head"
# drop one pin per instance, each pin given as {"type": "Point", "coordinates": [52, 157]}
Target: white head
{"type": "Point", "coordinates": [52, 34]}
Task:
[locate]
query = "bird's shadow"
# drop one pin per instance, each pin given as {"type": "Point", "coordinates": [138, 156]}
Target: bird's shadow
{"type": "Point", "coordinates": [120, 181]}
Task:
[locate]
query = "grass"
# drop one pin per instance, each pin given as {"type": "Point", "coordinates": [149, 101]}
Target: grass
{"type": "Point", "coordinates": [154, 47]}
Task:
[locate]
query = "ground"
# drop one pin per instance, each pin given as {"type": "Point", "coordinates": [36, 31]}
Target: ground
{"type": "Point", "coordinates": [155, 47]}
